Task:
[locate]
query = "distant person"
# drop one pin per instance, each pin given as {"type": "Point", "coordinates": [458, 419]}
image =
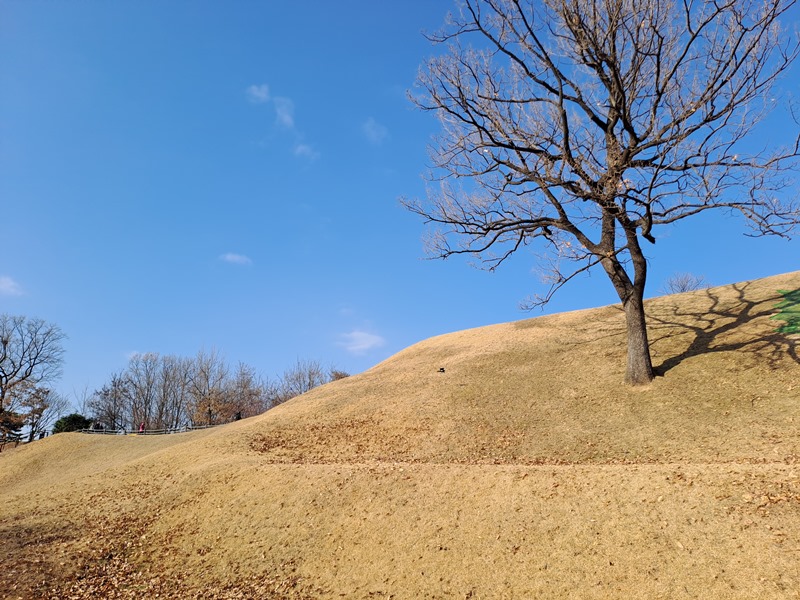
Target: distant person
{"type": "Point", "coordinates": [141, 427]}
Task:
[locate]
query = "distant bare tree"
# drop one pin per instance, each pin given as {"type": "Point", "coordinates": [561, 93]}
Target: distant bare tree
{"type": "Point", "coordinates": [337, 374]}
{"type": "Point", "coordinates": [207, 387]}
{"type": "Point", "coordinates": [31, 352]}
{"type": "Point", "coordinates": [684, 282]}
{"type": "Point", "coordinates": [41, 407]}
{"type": "Point", "coordinates": [584, 125]}
{"type": "Point", "coordinates": [142, 388]}
{"type": "Point", "coordinates": [81, 399]}
{"type": "Point", "coordinates": [110, 404]}
{"type": "Point", "coordinates": [173, 378]}
{"type": "Point", "coordinates": [302, 377]}
{"type": "Point", "coordinates": [247, 394]}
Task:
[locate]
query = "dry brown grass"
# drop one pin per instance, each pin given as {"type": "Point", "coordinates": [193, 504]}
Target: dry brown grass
{"type": "Point", "coordinates": [524, 470]}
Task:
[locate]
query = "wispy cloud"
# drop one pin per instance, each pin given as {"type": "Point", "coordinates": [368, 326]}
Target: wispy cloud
{"type": "Point", "coordinates": [284, 118]}
{"type": "Point", "coordinates": [235, 259]}
{"type": "Point", "coordinates": [305, 151]}
{"type": "Point", "coordinates": [375, 133]}
{"type": "Point", "coordinates": [359, 342]}
{"type": "Point", "coordinates": [258, 94]}
{"type": "Point", "coordinates": [284, 112]}
{"type": "Point", "coordinates": [9, 287]}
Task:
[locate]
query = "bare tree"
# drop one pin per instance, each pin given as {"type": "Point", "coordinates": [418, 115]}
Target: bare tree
{"type": "Point", "coordinates": [302, 377]}
{"type": "Point", "coordinates": [248, 394]}
{"type": "Point", "coordinates": [31, 353]}
{"type": "Point", "coordinates": [81, 399]}
{"type": "Point", "coordinates": [110, 405]}
{"type": "Point", "coordinates": [142, 388]}
{"type": "Point", "coordinates": [207, 386]}
{"type": "Point", "coordinates": [684, 282]}
{"type": "Point", "coordinates": [174, 382]}
{"type": "Point", "coordinates": [583, 125]}
{"type": "Point", "coordinates": [41, 407]}
{"type": "Point", "coordinates": [336, 374]}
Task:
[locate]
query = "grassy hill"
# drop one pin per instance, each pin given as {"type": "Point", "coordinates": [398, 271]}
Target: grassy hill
{"type": "Point", "coordinates": [524, 469]}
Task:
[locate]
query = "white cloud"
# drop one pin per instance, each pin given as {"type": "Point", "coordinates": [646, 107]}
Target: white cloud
{"type": "Point", "coordinates": [258, 94]}
{"type": "Point", "coordinates": [284, 118]}
{"type": "Point", "coordinates": [235, 259]}
{"type": "Point", "coordinates": [359, 342]}
{"type": "Point", "coordinates": [284, 112]}
{"type": "Point", "coordinates": [374, 132]}
{"type": "Point", "coordinates": [9, 287]}
{"type": "Point", "coordinates": [305, 151]}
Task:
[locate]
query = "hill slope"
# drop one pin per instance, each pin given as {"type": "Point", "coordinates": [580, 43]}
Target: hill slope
{"type": "Point", "coordinates": [524, 469]}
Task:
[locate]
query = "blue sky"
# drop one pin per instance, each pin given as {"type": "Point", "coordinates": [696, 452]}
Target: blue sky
{"type": "Point", "coordinates": [178, 175]}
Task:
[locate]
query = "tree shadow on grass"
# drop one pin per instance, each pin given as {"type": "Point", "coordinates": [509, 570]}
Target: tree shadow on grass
{"type": "Point", "coordinates": [724, 316]}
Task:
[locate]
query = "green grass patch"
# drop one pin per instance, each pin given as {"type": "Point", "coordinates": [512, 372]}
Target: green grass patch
{"type": "Point", "coordinates": [790, 311]}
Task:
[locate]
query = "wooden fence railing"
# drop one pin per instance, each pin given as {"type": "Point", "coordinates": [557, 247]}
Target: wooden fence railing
{"type": "Point", "coordinates": [14, 440]}
{"type": "Point", "coordinates": [123, 431]}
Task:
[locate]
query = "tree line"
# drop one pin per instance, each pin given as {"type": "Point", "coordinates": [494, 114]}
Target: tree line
{"type": "Point", "coordinates": [159, 391]}
{"type": "Point", "coordinates": [153, 391]}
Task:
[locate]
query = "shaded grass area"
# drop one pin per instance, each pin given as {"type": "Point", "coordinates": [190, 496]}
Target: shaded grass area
{"type": "Point", "coordinates": [524, 469]}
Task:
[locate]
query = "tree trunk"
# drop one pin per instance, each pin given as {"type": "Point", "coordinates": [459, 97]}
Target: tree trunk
{"type": "Point", "coordinates": [639, 369]}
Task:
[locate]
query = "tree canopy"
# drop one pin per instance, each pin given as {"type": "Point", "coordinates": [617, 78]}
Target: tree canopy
{"type": "Point", "coordinates": [72, 422]}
